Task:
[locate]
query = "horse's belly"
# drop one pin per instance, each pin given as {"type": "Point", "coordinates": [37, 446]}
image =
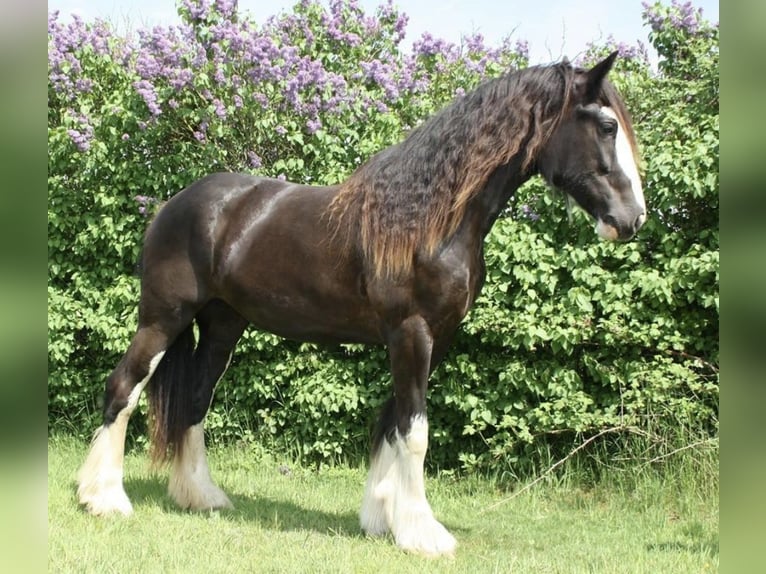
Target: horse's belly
{"type": "Point", "coordinates": [306, 315]}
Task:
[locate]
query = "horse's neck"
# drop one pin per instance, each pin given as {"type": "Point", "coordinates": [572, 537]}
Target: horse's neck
{"type": "Point", "coordinates": [486, 206]}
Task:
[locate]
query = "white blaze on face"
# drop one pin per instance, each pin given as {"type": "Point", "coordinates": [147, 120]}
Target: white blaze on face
{"type": "Point", "coordinates": [626, 159]}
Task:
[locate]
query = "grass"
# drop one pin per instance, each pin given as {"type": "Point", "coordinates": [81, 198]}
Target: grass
{"type": "Point", "coordinates": [292, 519]}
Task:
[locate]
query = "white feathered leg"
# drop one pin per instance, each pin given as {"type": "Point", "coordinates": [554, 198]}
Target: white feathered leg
{"type": "Point", "coordinates": [100, 487]}
{"type": "Point", "coordinates": [191, 485]}
{"type": "Point", "coordinates": [378, 490]}
{"type": "Point", "coordinates": [395, 496]}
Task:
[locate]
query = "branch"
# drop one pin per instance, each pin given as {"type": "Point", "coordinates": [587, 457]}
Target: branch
{"type": "Point", "coordinates": [686, 355]}
{"type": "Point", "coordinates": [559, 463]}
{"type": "Point", "coordinates": [680, 449]}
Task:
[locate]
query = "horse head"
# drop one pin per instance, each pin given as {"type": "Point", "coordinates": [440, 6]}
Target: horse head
{"type": "Point", "coordinates": [591, 155]}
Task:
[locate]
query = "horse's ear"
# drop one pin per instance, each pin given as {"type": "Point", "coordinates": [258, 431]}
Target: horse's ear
{"type": "Point", "coordinates": [595, 77]}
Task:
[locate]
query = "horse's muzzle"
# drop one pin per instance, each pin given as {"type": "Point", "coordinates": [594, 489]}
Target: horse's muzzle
{"type": "Point", "coordinates": [608, 228]}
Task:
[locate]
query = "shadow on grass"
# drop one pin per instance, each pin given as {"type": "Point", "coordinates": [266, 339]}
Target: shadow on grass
{"type": "Point", "coordinates": [269, 513]}
{"type": "Point", "coordinates": [284, 515]}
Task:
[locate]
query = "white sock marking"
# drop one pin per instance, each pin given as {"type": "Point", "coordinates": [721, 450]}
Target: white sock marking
{"type": "Point", "coordinates": [100, 487]}
{"type": "Point", "coordinates": [191, 485]}
{"type": "Point", "coordinates": [395, 497]}
{"type": "Point", "coordinates": [378, 490]}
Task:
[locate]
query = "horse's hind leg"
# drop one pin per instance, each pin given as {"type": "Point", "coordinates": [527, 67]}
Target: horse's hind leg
{"type": "Point", "coordinates": [100, 487]}
{"type": "Point", "coordinates": [191, 485]}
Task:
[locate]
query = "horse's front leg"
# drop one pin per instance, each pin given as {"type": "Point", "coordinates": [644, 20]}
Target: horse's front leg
{"type": "Point", "coordinates": [395, 496]}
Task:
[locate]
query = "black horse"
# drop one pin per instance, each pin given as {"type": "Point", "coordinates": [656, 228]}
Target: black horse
{"type": "Point", "coordinates": [392, 256]}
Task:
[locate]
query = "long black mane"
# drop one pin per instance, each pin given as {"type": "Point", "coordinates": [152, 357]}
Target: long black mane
{"type": "Point", "coordinates": [413, 194]}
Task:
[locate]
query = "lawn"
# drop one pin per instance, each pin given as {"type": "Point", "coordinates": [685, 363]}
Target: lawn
{"type": "Point", "coordinates": [289, 518]}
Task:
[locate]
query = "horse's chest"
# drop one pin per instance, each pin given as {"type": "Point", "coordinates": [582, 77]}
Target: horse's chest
{"type": "Point", "coordinates": [452, 292]}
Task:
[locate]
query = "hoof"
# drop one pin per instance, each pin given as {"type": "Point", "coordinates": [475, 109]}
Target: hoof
{"type": "Point", "coordinates": [205, 496]}
{"type": "Point", "coordinates": [102, 501]}
{"type": "Point", "coordinates": [423, 534]}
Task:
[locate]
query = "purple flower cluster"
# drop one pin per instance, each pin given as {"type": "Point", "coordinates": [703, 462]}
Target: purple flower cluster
{"type": "Point", "coordinates": [146, 90]}
{"type": "Point", "coordinates": [427, 45]}
{"type": "Point", "coordinates": [596, 50]}
{"type": "Point", "coordinates": [254, 160]}
{"type": "Point", "coordinates": [528, 213]}
{"type": "Point", "coordinates": [67, 44]}
{"type": "Point", "coordinates": [383, 74]}
{"type": "Point", "coordinates": [79, 129]}
{"type": "Point", "coordinates": [521, 47]}
{"type": "Point", "coordinates": [626, 51]}
{"type": "Point", "coordinates": [221, 69]}
{"type": "Point", "coordinates": [146, 204]}
{"type": "Point", "coordinates": [207, 10]}
{"type": "Point", "coordinates": [682, 16]}
{"type": "Point", "coordinates": [81, 139]}
{"type": "Point", "coordinates": [398, 22]}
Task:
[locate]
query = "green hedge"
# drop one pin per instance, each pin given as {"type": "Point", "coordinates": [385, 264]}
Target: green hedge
{"type": "Point", "coordinates": [570, 334]}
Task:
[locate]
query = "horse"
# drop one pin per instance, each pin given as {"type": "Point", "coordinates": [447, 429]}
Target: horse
{"type": "Point", "coordinates": [391, 256]}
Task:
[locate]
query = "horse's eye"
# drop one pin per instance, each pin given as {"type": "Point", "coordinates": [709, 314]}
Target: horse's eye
{"type": "Point", "coordinates": [608, 128]}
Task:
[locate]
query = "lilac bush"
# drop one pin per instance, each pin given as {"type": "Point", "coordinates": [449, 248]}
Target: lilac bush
{"type": "Point", "coordinates": [681, 35]}
{"type": "Point", "coordinates": [680, 15]}
{"type": "Point", "coordinates": [308, 95]}
{"type": "Point", "coordinates": [133, 118]}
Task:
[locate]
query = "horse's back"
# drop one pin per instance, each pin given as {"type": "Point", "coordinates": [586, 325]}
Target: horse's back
{"type": "Point", "coordinates": [261, 245]}
{"type": "Point", "coordinates": [194, 205]}
{"type": "Point", "coordinates": [214, 212]}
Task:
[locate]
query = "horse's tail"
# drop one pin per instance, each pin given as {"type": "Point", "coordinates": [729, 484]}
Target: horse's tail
{"type": "Point", "coordinates": [170, 395]}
